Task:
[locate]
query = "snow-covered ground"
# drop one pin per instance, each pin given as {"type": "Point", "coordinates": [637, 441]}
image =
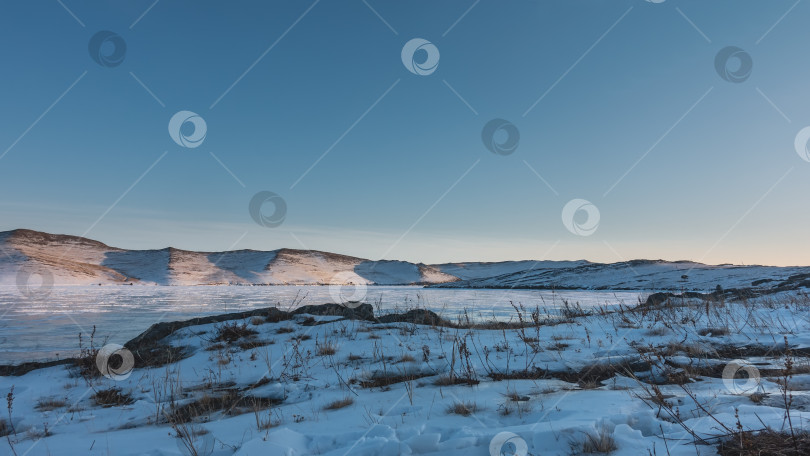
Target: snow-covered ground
{"type": "Point", "coordinates": [547, 389]}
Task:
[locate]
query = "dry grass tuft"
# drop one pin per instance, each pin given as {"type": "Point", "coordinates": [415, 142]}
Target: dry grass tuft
{"type": "Point", "coordinates": [47, 404]}
{"type": "Point", "coordinates": [407, 358]}
{"type": "Point", "coordinates": [231, 332]}
{"type": "Point", "coordinates": [756, 398]}
{"type": "Point", "coordinates": [765, 443]}
{"type": "Point", "coordinates": [111, 397]}
{"type": "Point", "coordinates": [391, 378]}
{"type": "Point", "coordinates": [599, 441]}
{"type": "Point", "coordinates": [251, 344]}
{"type": "Point", "coordinates": [449, 380]}
{"type": "Point", "coordinates": [462, 408]}
{"type": "Point", "coordinates": [339, 404]}
{"type": "Point", "coordinates": [326, 349]}
{"type": "Point", "coordinates": [231, 402]}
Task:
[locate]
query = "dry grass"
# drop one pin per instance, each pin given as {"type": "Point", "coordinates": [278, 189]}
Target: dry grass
{"type": "Point", "coordinates": [231, 332]}
{"type": "Point", "coordinates": [765, 443]}
{"type": "Point", "coordinates": [392, 378]}
{"type": "Point", "coordinates": [449, 380]}
{"type": "Point", "coordinates": [599, 441]}
{"type": "Point", "coordinates": [407, 358]}
{"type": "Point", "coordinates": [339, 404]}
{"type": "Point", "coordinates": [231, 402]}
{"type": "Point", "coordinates": [216, 347]}
{"type": "Point", "coordinates": [534, 374]}
{"type": "Point", "coordinates": [462, 408]}
{"type": "Point", "coordinates": [694, 350]}
{"type": "Point", "coordinates": [47, 404]}
{"type": "Point", "coordinates": [251, 344]}
{"type": "Point", "coordinates": [515, 397]}
{"type": "Point", "coordinates": [757, 398]}
{"type": "Point", "coordinates": [4, 430]}
{"type": "Point", "coordinates": [112, 397]}
{"type": "Point", "coordinates": [256, 321]}
{"type": "Point", "coordinates": [285, 330]}
{"type": "Point", "coordinates": [327, 348]}
{"type": "Point", "coordinates": [510, 407]}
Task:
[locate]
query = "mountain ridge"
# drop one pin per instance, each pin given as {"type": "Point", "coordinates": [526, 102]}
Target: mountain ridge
{"type": "Point", "coordinates": [76, 260]}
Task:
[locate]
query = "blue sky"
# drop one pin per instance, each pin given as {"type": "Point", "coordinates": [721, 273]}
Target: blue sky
{"type": "Point", "coordinates": [625, 88]}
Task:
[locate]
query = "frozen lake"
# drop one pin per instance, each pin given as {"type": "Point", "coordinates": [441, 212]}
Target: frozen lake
{"type": "Point", "coordinates": [48, 328]}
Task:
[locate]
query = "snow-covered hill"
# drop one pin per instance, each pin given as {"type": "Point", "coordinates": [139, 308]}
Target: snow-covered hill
{"type": "Point", "coordinates": [637, 275]}
{"type": "Point", "coordinates": [73, 260]}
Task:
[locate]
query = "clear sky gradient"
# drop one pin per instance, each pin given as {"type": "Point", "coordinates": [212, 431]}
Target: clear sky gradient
{"type": "Point", "coordinates": [617, 102]}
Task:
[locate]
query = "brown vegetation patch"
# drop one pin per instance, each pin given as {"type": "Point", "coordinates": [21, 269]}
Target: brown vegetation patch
{"type": "Point", "coordinates": [766, 442]}
{"type": "Point", "coordinates": [251, 344]}
{"type": "Point", "coordinates": [47, 404]}
{"type": "Point", "coordinates": [527, 374]}
{"type": "Point", "coordinates": [449, 380]}
{"type": "Point", "coordinates": [462, 408]}
{"type": "Point", "coordinates": [390, 379]}
{"type": "Point", "coordinates": [112, 397]}
{"type": "Point", "coordinates": [339, 404]}
{"type": "Point", "coordinates": [231, 332]}
{"type": "Point", "coordinates": [231, 402]}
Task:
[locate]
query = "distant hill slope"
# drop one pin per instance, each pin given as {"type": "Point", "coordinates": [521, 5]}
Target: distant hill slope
{"type": "Point", "coordinates": [638, 275]}
{"type": "Point", "coordinates": [73, 260]}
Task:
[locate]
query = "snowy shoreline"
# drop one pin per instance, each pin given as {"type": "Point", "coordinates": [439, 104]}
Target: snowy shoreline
{"type": "Point", "coordinates": [332, 380]}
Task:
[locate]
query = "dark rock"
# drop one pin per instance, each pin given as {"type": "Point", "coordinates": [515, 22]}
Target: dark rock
{"type": "Point", "coordinates": [417, 316]}
{"type": "Point", "coordinates": [361, 312]}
